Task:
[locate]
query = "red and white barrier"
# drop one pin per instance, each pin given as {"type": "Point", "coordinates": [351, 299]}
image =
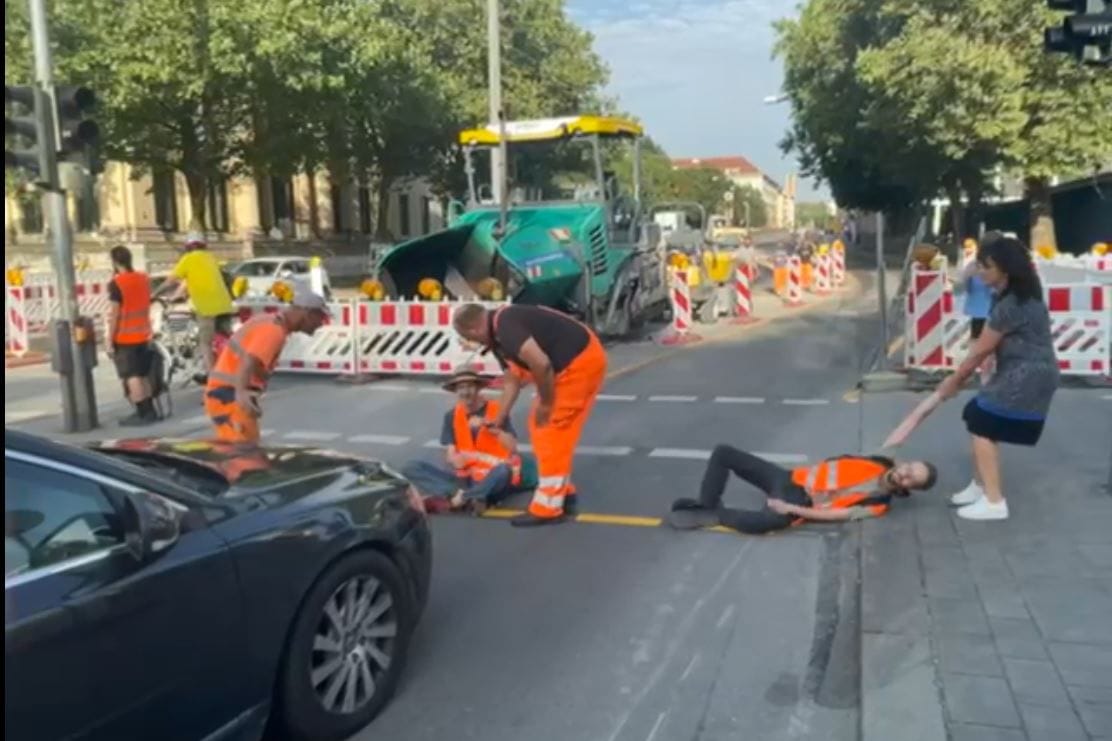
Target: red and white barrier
{"type": "Point", "coordinates": [937, 332]}
{"type": "Point", "coordinates": [838, 266]}
{"type": "Point", "coordinates": [743, 296]}
{"type": "Point", "coordinates": [681, 332]}
{"type": "Point", "coordinates": [821, 285]}
{"type": "Point", "coordinates": [29, 308]}
{"type": "Point", "coordinates": [794, 294]}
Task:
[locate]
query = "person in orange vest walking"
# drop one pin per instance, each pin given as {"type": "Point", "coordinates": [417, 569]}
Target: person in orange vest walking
{"type": "Point", "coordinates": [845, 487]}
{"type": "Point", "coordinates": [483, 465]}
{"type": "Point", "coordinates": [241, 373]}
{"type": "Point", "coordinates": [129, 332]}
{"type": "Point", "coordinates": [567, 363]}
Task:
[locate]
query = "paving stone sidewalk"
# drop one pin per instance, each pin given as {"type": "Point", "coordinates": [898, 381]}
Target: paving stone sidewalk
{"type": "Point", "coordinates": [997, 631]}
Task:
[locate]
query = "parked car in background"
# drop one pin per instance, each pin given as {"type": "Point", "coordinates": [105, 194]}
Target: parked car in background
{"type": "Point", "coordinates": [185, 590]}
{"type": "Point", "coordinates": [261, 273]}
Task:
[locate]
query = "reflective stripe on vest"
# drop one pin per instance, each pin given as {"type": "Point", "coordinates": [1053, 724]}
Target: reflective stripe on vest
{"type": "Point", "coordinates": [838, 482]}
{"type": "Point", "coordinates": [133, 326]}
{"type": "Point", "coordinates": [226, 368]}
{"type": "Point", "coordinates": [481, 451]}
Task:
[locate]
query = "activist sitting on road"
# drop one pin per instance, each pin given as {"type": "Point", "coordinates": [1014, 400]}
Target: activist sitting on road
{"type": "Point", "coordinates": [242, 371]}
{"type": "Point", "coordinates": [483, 466]}
{"type": "Point", "coordinates": [846, 487]}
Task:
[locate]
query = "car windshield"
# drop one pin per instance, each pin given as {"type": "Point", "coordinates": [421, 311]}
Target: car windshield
{"type": "Point", "coordinates": [257, 269]}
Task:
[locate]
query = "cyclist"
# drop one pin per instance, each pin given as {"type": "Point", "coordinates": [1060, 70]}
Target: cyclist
{"type": "Point", "coordinates": [198, 275]}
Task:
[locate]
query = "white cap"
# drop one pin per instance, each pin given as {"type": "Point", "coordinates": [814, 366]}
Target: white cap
{"type": "Point", "coordinates": [304, 298]}
{"type": "Point", "coordinates": [194, 238]}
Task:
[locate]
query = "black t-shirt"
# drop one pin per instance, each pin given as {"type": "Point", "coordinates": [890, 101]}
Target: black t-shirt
{"type": "Point", "coordinates": [560, 337]}
{"type": "Point", "coordinates": [114, 293]}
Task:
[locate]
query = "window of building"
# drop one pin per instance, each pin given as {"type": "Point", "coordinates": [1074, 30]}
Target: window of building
{"type": "Point", "coordinates": [365, 224]}
{"type": "Point", "coordinates": [30, 212]}
{"type": "Point", "coordinates": [403, 214]}
{"type": "Point", "coordinates": [337, 195]}
{"type": "Point", "coordinates": [165, 200]}
{"type": "Point", "coordinates": [216, 205]}
{"type": "Point", "coordinates": [426, 215]}
{"type": "Point", "coordinates": [281, 190]}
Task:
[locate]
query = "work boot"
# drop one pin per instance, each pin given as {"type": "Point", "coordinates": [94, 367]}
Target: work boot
{"type": "Point", "coordinates": [686, 504]}
{"type": "Point", "coordinates": [201, 379]}
{"type": "Point", "coordinates": [571, 505]}
{"type": "Point", "coordinates": [529, 520]}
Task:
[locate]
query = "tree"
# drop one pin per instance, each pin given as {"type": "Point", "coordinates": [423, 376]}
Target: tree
{"type": "Point", "coordinates": [815, 215]}
{"type": "Point", "coordinates": [757, 213]}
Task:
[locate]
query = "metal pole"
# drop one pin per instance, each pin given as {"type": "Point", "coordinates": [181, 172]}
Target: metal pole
{"type": "Point", "coordinates": [78, 398]}
{"type": "Point", "coordinates": [494, 81]}
{"type": "Point", "coordinates": [882, 293]}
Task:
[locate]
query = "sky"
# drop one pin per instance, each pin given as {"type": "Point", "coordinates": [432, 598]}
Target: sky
{"type": "Point", "coordinates": [695, 72]}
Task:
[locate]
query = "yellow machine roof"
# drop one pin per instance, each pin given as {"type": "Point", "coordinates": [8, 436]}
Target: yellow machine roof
{"type": "Point", "coordinates": [550, 129]}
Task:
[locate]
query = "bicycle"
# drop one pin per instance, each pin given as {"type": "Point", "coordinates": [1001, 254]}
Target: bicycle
{"type": "Point", "coordinates": [178, 334]}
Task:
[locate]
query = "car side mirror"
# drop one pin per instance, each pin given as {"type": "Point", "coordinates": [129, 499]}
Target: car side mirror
{"type": "Point", "coordinates": [151, 524]}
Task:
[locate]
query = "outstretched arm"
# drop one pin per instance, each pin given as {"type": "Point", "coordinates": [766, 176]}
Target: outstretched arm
{"type": "Point", "coordinates": [859, 512]}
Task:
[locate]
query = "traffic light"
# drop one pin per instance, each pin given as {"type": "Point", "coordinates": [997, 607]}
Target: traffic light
{"type": "Point", "coordinates": [1086, 33]}
{"type": "Point", "coordinates": [27, 139]}
{"type": "Point", "coordinates": [77, 135]}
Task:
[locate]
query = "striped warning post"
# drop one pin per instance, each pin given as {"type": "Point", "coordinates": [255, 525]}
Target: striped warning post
{"type": "Point", "coordinates": [821, 285]}
{"type": "Point", "coordinates": [926, 321]}
{"type": "Point", "coordinates": [743, 296]}
{"type": "Point", "coordinates": [1081, 327]}
{"type": "Point", "coordinates": [794, 294]}
{"type": "Point", "coordinates": [838, 265]}
{"type": "Point", "coordinates": [680, 332]}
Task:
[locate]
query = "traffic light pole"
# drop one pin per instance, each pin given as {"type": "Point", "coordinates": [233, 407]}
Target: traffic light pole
{"type": "Point", "coordinates": [79, 408]}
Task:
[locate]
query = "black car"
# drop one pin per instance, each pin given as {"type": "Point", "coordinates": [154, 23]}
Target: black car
{"type": "Point", "coordinates": [160, 590]}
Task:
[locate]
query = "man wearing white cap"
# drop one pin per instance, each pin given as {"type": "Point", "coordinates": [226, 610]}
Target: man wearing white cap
{"type": "Point", "coordinates": [241, 373]}
{"type": "Point", "coordinates": [198, 274]}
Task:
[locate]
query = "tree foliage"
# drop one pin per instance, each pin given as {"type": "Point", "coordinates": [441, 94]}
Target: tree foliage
{"type": "Point", "coordinates": [895, 101]}
{"type": "Point", "coordinates": [370, 91]}
{"type": "Point", "coordinates": [757, 213]}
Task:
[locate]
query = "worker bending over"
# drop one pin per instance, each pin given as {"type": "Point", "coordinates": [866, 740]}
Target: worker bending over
{"type": "Point", "coordinates": [568, 365]}
{"type": "Point", "coordinates": [483, 463]}
{"type": "Point", "coordinates": [845, 487]}
{"type": "Point", "coordinates": [241, 373]}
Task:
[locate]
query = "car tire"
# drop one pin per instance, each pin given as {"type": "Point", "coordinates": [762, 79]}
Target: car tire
{"type": "Point", "coordinates": [322, 656]}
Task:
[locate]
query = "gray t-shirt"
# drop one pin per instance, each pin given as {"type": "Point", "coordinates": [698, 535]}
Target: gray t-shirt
{"type": "Point", "coordinates": [1026, 375]}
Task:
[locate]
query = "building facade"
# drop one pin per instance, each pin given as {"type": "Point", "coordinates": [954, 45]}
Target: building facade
{"type": "Point", "coordinates": [779, 200]}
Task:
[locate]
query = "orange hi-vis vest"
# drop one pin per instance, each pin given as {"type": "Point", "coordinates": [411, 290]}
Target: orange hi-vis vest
{"type": "Point", "coordinates": [840, 483]}
{"type": "Point", "coordinates": [481, 451]}
{"type": "Point", "coordinates": [134, 325]}
{"type": "Point", "coordinates": [227, 365]}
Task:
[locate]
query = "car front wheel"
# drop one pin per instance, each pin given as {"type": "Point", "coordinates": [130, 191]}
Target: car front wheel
{"type": "Point", "coordinates": [347, 649]}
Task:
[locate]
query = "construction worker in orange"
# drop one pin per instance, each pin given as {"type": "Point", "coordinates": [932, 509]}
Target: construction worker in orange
{"type": "Point", "coordinates": [241, 373]}
{"type": "Point", "coordinates": [567, 363]}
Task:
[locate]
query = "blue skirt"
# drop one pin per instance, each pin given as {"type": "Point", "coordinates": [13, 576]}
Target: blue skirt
{"type": "Point", "coordinates": [999, 428]}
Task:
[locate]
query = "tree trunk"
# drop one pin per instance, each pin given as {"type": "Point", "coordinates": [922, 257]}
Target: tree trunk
{"type": "Point", "coordinates": [382, 228]}
{"type": "Point", "coordinates": [196, 184]}
{"type": "Point", "coordinates": [957, 222]}
{"type": "Point", "coordinates": [314, 207]}
{"type": "Point", "coordinates": [974, 212]}
{"type": "Point", "coordinates": [1042, 216]}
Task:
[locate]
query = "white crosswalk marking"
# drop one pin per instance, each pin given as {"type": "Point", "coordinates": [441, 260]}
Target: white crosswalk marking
{"type": "Point", "coordinates": [674, 398]}
{"type": "Point", "coordinates": [739, 400]}
{"type": "Point", "coordinates": [379, 439]}
{"type": "Point", "coordinates": [310, 435]}
{"type": "Point", "coordinates": [616, 397]}
{"type": "Point", "coordinates": [433, 444]}
{"type": "Point", "coordinates": [387, 387]}
{"type": "Point", "coordinates": [702, 455]}
{"type": "Point", "coordinates": [806, 402]}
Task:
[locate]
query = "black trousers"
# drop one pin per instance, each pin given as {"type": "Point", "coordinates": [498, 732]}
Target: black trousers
{"type": "Point", "coordinates": [773, 480]}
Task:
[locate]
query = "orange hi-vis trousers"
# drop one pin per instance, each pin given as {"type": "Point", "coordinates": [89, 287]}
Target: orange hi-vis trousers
{"type": "Point", "coordinates": [232, 423]}
{"type": "Point", "coordinates": [576, 388]}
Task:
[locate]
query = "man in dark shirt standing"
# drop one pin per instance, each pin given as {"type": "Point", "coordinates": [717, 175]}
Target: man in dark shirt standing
{"type": "Point", "coordinates": [566, 361]}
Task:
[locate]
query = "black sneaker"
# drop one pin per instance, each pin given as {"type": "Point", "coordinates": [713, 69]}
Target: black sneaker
{"type": "Point", "coordinates": [571, 505]}
{"type": "Point", "coordinates": [686, 504]}
{"type": "Point", "coordinates": [201, 379]}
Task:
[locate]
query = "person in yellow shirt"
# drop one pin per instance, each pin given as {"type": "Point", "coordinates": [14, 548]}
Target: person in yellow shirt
{"type": "Point", "coordinates": [198, 275]}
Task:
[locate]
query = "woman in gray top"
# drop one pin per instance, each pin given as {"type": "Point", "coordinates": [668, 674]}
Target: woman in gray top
{"type": "Point", "coordinates": [1012, 406]}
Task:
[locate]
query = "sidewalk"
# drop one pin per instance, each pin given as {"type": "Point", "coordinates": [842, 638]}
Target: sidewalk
{"type": "Point", "coordinates": [997, 631]}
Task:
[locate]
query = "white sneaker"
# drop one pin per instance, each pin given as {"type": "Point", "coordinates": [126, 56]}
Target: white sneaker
{"type": "Point", "coordinates": [968, 495]}
{"type": "Point", "coordinates": [982, 509]}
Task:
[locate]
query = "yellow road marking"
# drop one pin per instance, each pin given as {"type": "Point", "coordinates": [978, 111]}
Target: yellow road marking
{"type": "Point", "coordinates": [625, 520]}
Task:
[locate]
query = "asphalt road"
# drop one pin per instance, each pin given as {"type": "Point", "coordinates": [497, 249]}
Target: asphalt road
{"type": "Point", "coordinates": [604, 632]}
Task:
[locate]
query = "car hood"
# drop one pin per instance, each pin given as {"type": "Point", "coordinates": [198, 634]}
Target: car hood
{"type": "Point", "coordinates": [242, 469]}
